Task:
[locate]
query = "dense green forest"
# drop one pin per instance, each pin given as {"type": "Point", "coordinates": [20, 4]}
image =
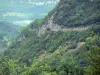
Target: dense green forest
{"type": "Point", "coordinates": [72, 49]}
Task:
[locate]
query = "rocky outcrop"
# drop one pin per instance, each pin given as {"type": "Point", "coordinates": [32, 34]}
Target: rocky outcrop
{"type": "Point", "coordinates": [48, 25]}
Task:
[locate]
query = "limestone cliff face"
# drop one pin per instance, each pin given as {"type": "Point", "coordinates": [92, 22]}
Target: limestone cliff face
{"type": "Point", "coordinates": [49, 25]}
{"type": "Point", "coordinates": [72, 13]}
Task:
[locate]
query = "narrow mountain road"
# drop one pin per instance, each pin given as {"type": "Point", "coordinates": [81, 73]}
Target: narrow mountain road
{"type": "Point", "coordinates": [74, 29]}
{"type": "Point", "coordinates": [59, 28]}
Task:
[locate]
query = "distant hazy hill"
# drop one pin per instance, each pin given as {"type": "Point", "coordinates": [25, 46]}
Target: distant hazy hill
{"type": "Point", "coordinates": [7, 28]}
{"type": "Point", "coordinates": [7, 32]}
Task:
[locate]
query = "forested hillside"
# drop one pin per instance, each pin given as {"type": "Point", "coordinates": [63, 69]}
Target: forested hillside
{"type": "Point", "coordinates": [65, 42]}
{"type": "Point", "coordinates": [77, 13]}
